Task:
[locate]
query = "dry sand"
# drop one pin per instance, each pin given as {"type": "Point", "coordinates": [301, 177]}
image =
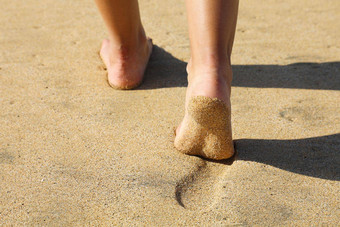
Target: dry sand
{"type": "Point", "coordinates": [74, 151]}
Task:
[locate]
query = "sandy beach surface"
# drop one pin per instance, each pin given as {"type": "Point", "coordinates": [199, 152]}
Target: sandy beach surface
{"type": "Point", "coordinates": [74, 151]}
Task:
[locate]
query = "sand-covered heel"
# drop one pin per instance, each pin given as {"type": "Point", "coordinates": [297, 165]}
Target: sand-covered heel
{"type": "Point", "coordinates": [206, 129]}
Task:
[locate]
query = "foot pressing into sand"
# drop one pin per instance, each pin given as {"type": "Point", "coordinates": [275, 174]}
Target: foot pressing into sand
{"type": "Point", "coordinates": [206, 127]}
{"type": "Point", "coordinates": [125, 65]}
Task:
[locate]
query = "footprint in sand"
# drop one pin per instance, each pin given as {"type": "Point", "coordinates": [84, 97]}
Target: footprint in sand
{"type": "Point", "coordinates": [200, 189]}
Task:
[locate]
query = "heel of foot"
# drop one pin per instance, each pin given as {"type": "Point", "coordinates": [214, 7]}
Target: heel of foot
{"type": "Point", "coordinates": [125, 71]}
{"type": "Point", "coordinates": [211, 113]}
{"type": "Point", "coordinates": [126, 87]}
{"type": "Point", "coordinates": [206, 129]}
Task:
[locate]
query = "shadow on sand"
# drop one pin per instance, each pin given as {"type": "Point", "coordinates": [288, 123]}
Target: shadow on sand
{"type": "Point", "coordinates": [316, 157]}
{"type": "Point", "coordinates": [164, 70]}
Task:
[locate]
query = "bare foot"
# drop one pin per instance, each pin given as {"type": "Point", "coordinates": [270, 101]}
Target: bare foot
{"type": "Point", "coordinates": [206, 127]}
{"type": "Point", "coordinates": [125, 66]}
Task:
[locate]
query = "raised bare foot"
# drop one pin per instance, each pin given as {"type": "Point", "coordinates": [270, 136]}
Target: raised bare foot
{"type": "Point", "coordinates": [125, 65]}
{"type": "Point", "coordinates": [206, 127]}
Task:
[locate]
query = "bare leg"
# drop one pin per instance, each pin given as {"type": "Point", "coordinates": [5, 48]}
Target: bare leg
{"type": "Point", "coordinates": [212, 26]}
{"type": "Point", "coordinates": [127, 51]}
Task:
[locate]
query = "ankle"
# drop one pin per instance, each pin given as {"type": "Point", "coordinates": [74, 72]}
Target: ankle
{"type": "Point", "coordinates": [125, 47]}
{"type": "Point", "coordinates": [219, 71]}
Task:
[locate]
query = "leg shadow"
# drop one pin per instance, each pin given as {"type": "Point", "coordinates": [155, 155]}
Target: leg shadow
{"type": "Point", "coordinates": [317, 157]}
{"type": "Point", "coordinates": [324, 76]}
{"type": "Point", "coordinates": [165, 70]}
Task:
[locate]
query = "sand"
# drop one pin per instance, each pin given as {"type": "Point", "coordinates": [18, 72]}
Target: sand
{"type": "Point", "coordinates": [74, 151]}
{"type": "Point", "coordinates": [206, 129]}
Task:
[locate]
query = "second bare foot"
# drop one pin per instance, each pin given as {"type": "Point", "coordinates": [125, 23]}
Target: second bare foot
{"type": "Point", "coordinates": [126, 65]}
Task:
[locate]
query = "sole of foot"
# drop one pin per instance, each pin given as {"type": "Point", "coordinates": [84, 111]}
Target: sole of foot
{"type": "Point", "coordinates": [206, 129]}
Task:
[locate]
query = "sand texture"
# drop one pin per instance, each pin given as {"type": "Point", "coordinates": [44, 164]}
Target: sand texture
{"type": "Point", "coordinates": [207, 130]}
{"type": "Point", "coordinates": [74, 151]}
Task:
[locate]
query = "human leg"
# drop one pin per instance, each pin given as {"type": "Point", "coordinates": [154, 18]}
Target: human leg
{"type": "Point", "coordinates": [127, 50]}
{"type": "Point", "coordinates": [212, 26]}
